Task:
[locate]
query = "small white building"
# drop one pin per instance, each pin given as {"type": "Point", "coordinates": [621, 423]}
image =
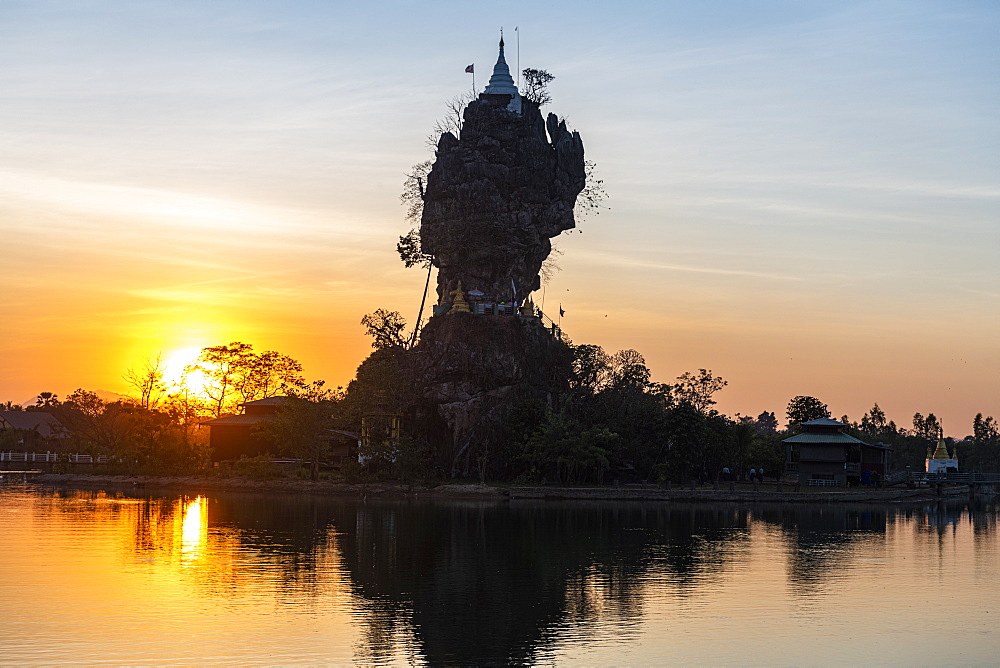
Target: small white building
{"type": "Point", "coordinates": [940, 461]}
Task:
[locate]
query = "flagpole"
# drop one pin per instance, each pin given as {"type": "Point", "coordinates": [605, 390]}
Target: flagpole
{"type": "Point", "coordinates": [518, 56]}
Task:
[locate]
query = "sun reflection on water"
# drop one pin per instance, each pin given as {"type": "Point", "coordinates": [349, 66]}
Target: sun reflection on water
{"type": "Point", "coordinates": [194, 531]}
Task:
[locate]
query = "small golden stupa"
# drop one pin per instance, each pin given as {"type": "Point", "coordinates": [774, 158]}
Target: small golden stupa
{"type": "Point", "coordinates": [458, 304]}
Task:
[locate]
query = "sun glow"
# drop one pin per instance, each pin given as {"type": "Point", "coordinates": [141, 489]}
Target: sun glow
{"type": "Point", "coordinates": [176, 373]}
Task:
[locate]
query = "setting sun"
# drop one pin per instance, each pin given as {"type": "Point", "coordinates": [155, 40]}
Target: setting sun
{"type": "Point", "coordinates": [176, 375]}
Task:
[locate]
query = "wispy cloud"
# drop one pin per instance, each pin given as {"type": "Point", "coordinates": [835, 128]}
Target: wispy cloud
{"type": "Point", "coordinates": [633, 262]}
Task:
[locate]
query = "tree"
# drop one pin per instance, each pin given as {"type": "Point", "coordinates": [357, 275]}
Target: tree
{"type": "Point", "coordinates": [301, 427]}
{"type": "Point", "coordinates": [411, 253]}
{"type": "Point", "coordinates": [629, 371]}
{"type": "Point", "coordinates": [591, 198]}
{"type": "Point", "coordinates": [137, 439]}
{"type": "Point", "coordinates": [148, 381]}
{"type": "Point", "coordinates": [46, 399]}
{"type": "Point", "coordinates": [803, 409]}
{"type": "Point", "coordinates": [767, 422]}
{"type": "Point", "coordinates": [697, 389]}
{"type": "Point", "coordinates": [535, 85]}
{"type": "Point", "coordinates": [385, 328]}
{"type": "Point", "coordinates": [565, 450]}
{"type": "Point", "coordinates": [235, 374]}
{"type": "Point", "coordinates": [876, 427]}
{"type": "Point", "coordinates": [926, 428]}
{"type": "Point", "coordinates": [271, 373]}
{"type": "Point", "coordinates": [591, 368]}
{"type": "Point", "coordinates": [412, 196]}
{"type": "Point", "coordinates": [985, 444]}
{"type": "Point", "coordinates": [453, 119]}
{"type": "Point", "coordinates": [984, 430]}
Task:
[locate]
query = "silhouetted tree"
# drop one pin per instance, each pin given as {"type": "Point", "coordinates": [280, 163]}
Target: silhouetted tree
{"type": "Point", "coordinates": [697, 389]}
{"type": "Point", "coordinates": [926, 428]}
{"type": "Point", "coordinates": [235, 374]}
{"type": "Point", "coordinates": [46, 399]}
{"type": "Point", "coordinates": [591, 198]}
{"type": "Point", "coordinates": [804, 408]}
{"type": "Point", "coordinates": [767, 422]}
{"type": "Point", "coordinates": [591, 368]}
{"type": "Point", "coordinates": [563, 450]}
{"type": "Point", "coordinates": [148, 381]}
{"type": "Point", "coordinates": [301, 427]}
{"type": "Point", "coordinates": [414, 186]}
{"type": "Point", "coordinates": [876, 427]}
{"type": "Point", "coordinates": [385, 328]}
{"type": "Point", "coordinates": [535, 85]}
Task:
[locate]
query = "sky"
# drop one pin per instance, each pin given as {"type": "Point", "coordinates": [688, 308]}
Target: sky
{"type": "Point", "coordinates": [803, 197]}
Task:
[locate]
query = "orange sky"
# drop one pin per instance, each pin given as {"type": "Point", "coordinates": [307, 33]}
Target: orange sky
{"type": "Point", "coordinates": [803, 201]}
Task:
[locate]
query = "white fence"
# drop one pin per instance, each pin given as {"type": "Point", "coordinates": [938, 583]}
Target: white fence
{"type": "Point", "coordinates": [47, 457]}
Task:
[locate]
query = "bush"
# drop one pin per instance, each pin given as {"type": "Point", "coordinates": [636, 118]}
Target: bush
{"type": "Point", "coordinates": [257, 468]}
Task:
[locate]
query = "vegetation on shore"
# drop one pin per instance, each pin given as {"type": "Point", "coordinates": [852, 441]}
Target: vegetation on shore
{"type": "Point", "coordinates": [612, 424]}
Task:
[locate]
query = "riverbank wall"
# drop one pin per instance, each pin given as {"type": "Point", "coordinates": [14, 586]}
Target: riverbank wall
{"type": "Point", "coordinates": [737, 494]}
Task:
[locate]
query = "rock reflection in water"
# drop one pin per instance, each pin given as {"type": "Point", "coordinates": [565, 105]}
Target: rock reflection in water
{"type": "Point", "coordinates": [525, 582]}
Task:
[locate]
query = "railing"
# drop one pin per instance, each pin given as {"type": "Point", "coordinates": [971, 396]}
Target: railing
{"type": "Point", "coordinates": [51, 457]}
{"type": "Point", "coordinates": [934, 478]}
{"type": "Point", "coordinates": [549, 324]}
{"type": "Point", "coordinates": [819, 482]}
{"type": "Point", "coordinates": [894, 478]}
{"type": "Point", "coordinates": [980, 478]}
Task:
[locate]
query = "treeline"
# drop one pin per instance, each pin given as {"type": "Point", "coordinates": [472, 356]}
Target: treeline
{"type": "Point", "coordinates": [611, 422]}
{"type": "Point", "coordinates": [154, 430]}
{"type": "Point", "coordinates": [136, 439]}
{"type": "Point", "coordinates": [979, 451]}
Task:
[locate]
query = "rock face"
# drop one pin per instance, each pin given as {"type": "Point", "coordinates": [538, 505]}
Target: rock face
{"type": "Point", "coordinates": [496, 196]}
{"type": "Point", "coordinates": [475, 372]}
{"type": "Point", "coordinates": [494, 199]}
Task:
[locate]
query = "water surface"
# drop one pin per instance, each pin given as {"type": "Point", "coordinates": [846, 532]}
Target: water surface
{"type": "Point", "coordinates": [119, 578]}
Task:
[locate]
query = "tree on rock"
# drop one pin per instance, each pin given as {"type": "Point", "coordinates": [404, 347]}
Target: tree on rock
{"type": "Point", "coordinates": [536, 85]}
{"type": "Point", "coordinates": [385, 328]}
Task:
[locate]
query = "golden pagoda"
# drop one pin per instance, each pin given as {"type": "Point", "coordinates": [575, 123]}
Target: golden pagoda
{"type": "Point", "coordinates": [940, 461]}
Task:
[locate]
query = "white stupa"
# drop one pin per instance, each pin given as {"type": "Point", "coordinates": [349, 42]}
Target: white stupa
{"type": "Point", "coordinates": [940, 461]}
{"type": "Point", "coordinates": [501, 83]}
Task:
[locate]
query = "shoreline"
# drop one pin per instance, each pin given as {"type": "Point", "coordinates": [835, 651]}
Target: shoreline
{"type": "Point", "coordinates": [203, 484]}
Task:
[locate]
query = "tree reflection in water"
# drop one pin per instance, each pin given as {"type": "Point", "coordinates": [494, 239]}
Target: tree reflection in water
{"type": "Point", "coordinates": [474, 582]}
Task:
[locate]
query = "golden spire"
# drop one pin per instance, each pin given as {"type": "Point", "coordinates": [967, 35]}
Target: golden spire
{"type": "Point", "coordinates": [458, 304]}
{"type": "Point", "coordinates": [942, 450]}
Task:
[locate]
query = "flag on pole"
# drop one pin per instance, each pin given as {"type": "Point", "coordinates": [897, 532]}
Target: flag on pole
{"type": "Point", "coordinates": [471, 69]}
{"type": "Point", "coordinates": [561, 311]}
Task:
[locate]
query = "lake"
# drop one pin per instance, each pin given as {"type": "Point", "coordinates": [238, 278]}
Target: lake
{"type": "Point", "coordinates": [126, 578]}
